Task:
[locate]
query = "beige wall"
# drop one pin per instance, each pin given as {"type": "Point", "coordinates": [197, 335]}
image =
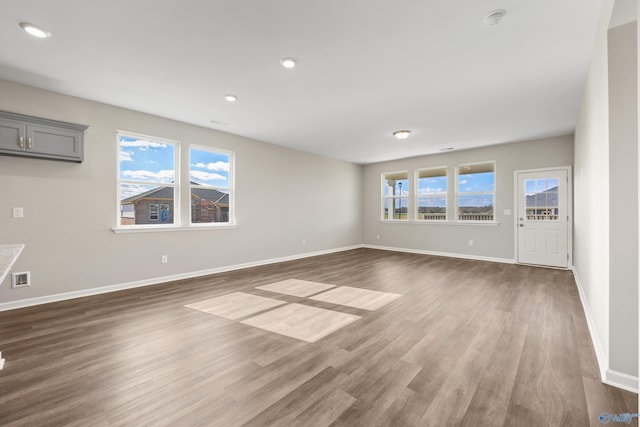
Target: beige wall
{"type": "Point", "coordinates": [488, 241]}
{"type": "Point", "coordinates": [282, 197]}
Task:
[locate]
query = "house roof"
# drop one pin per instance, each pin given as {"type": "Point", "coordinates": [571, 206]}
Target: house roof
{"type": "Point", "coordinates": [550, 200]}
{"type": "Point", "coordinates": [167, 193]}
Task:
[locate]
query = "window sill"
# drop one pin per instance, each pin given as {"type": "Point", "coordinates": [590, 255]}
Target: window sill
{"type": "Point", "coordinates": [463, 223]}
{"type": "Point", "coordinates": [154, 229]}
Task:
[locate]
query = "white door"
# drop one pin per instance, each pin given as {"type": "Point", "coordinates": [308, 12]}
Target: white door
{"type": "Point", "coordinates": [543, 217]}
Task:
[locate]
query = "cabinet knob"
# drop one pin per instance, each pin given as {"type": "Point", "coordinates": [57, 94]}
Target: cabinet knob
{"type": "Point", "coordinates": [21, 142]}
{"type": "Point", "coordinates": [29, 143]}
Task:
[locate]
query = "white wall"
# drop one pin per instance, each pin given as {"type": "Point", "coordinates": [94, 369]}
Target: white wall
{"type": "Point", "coordinates": [489, 241]}
{"type": "Point", "coordinates": [605, 202]}
{"type": "Point", "coordinates": [282, 197]}
{"type": "Point", "coordinates": [623, 192]}
{"type": "Point", "coordinates": [591, 195]}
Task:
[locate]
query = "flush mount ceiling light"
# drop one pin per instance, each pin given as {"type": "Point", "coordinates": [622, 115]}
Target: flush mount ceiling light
{"type": "Point", "coordinates": [231, 98]}
{"type": "Point", "coordinates": [34, 30]}
{"type": "Point", "coordinates": [495, 17]}
{"type": "Point", "coordinates": [288, 62]}
{"type": "Point", "coordinates": [402, 134]}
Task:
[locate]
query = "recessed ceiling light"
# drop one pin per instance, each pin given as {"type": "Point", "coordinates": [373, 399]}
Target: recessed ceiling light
{"type": "Point", "coordinates": [288, 62]}
{"type": "Point", "coordinates": [495, 17]}
{"type": "Point", "coordinates": [402, 134]}
{"type": "Point", "coordinates": [34, 30]}
{"type": "Point", "coordinates": [231, 98]}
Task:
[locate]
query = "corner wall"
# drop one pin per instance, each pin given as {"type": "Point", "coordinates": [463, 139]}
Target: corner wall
{"type": "Point", "coordinates": [283, 197]}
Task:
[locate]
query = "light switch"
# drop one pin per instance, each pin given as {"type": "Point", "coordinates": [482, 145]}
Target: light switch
{"type": "Point", "coordinates": [18, 213]}
{"type": "Point", "coordinates": [507, 212]}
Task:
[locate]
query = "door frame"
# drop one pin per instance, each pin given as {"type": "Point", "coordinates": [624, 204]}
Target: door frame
{"type": "Point", "coordinates": [569, 211]}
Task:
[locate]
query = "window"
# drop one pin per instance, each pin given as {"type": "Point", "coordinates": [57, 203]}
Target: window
{"type": "Point", "coordinates": [150, 192]}
{"type": "Point", "coordinates": [210, 175]}
{"type": "Point", "coordinates": [542, 199]}
{"type": "Point", "coordinates": [476, 191]}
{"type": "Point", "coordinates": [153, 212]}
{"type": "Point", "coordinates": [147, 180]}
{"type": "Point", "coordinates": [431, 194]}
{"type": "Point", "coordinates": [395, 196]}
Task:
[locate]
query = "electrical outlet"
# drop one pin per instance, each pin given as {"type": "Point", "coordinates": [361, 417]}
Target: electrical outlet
{"type": "Point", "coordinates": [164, 259]}
{"type": "Point", "coordinates": [18, 212]}
{"type": "Point", "coordinates": [470, 242]}
{"type": "Point", "coordinates": [304, 242]}
{"type": "Point", "coordinates": [377, 236]}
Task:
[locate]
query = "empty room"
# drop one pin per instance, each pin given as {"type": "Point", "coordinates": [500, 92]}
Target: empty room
{"type": "Point", "coordinates": [318, 213]}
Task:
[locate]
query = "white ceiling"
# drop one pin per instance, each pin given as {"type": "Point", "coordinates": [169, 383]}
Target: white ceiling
{"type": "Point", "coordinates": [365, 67]}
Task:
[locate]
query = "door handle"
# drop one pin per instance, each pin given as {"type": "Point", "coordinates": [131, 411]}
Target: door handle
{"type": "Point", "coordinates": [521, 225]}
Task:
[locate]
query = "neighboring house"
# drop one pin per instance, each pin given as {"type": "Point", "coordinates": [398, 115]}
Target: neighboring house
{"type": "Point", "coordinates": [543, 205]}
{"type": "Point", "coordinates": [156, 206]}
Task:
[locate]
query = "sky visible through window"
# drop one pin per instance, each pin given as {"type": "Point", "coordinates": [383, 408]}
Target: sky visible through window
{"type": "Point", "coordinates": [148, 161]}
{"type": "Point", "coordinates": [476, 183]}
{"type": "Point", "coordinates": [145, 161]}
{"type": "Point", "coordinates": [209, 168]}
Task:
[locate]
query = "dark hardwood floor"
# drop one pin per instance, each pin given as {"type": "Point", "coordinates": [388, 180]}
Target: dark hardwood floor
{"type": "Point", "coordinates": [469, 343]}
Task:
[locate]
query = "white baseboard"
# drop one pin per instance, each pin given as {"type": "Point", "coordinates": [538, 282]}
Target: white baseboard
{"type": "Point", "coordinates": [608, 376]}
{"type": "Point", "coordinates": [601, 355]}
{"type": "Point", "coordinates": [158, 280]}
{"type": "Point", "coordinates": [620, 380]}
{"type": "Point", "coordinates": [445, 254]}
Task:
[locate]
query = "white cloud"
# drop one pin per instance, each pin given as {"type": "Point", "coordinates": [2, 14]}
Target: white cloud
{"type": "Point", "coordinates": [142, 143]}
{"type": "Point", "coordinates": [160, 176]}
{"type": "Point", "coordinates": [464, 181]}
{"type": "Point", "coordinates": [125, 156]}
{"type": "Point", "coordinates": [207, 176]}
{"type": "Point", "coordinates": [431, 190]}
{"type": "Point", "coordinates": [217, 166]}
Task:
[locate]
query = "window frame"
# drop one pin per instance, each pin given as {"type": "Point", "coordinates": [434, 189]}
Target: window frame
{"type": "Point", "coordinates": [175, 184]}
{"type": "Point", "coordinates": [417, 196]}
{"type": "Point", "coordinates": [230, 189]}
{"type": "Point", "coordinates": [384, 198]}
{"type": "Point", "coordinates": [458, 193]}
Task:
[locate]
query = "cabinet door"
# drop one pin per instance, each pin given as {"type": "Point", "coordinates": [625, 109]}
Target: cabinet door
{"type": "Point", "coordinates": [53, 142]}
{"type": "Point", "coordinates": [11, 132]}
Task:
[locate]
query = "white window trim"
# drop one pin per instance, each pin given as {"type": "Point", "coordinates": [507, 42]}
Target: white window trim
{"type": "Point", "coordinates": [417, 195]}
{"type": "Point", "coordinates": [231, 189]}
{"type": "Point", "coordinates": [494, 192]}
{"type": "Point", "coordinates": [383, 198]}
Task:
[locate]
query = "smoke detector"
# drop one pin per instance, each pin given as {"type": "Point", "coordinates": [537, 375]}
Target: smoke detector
{"type": "Point", "coordinates": [495, 17]}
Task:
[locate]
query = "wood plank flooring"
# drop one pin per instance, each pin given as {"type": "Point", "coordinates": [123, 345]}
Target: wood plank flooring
{"type": "Point", "coordinates": [468, 343]}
